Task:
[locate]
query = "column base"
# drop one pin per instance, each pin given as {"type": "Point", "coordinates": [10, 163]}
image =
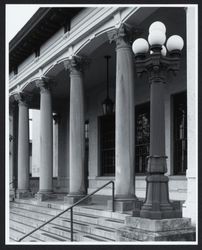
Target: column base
{"type": "Point", "coordinates": [45, 195]}
{"type": "Point", "coordinates": [142, 229]}
{"type": "Point", "coordinates": [71, 199]}
{"type": "Point", "coordinates": [23, 193]}
{"type": "Point", "coordinates": [125, 204]}
{"type": "Point", "coordinates": [12, 195]}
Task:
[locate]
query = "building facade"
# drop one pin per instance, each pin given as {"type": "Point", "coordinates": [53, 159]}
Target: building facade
{"type": "Point", "coordinates": [58, 70]}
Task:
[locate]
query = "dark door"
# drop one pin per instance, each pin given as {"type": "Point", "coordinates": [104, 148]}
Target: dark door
{"type": "Point", "coordinates": [107, 145]}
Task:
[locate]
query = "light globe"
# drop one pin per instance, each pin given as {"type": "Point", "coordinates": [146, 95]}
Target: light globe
{"type": "Point", "coordinates": [157, 26]}
{"type": "Point", "coordinates": [140, 45]}
{"type": "Point", "coordinates": [163, 51]}
{"type": "Point", "coordinates": [156, 37]}
{"type": "Point", "coordinates": [175, 42]}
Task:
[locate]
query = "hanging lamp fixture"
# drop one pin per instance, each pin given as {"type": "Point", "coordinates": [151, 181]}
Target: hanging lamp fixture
{"type": "Point", "coordinates": [107, 104]}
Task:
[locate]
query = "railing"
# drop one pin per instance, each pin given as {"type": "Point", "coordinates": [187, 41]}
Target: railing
{"type": "Point", "coordinates": [71, 211]}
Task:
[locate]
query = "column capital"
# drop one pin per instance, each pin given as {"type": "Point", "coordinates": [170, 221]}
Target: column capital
{"type": "Point", "coordinates": [121, 35]}
{"type": "Point", "coordinates": [44, 84]}
{"type": "Point", "coordinates": [23, 98]}
{"type": "Point", "coordinates": [76, 64]}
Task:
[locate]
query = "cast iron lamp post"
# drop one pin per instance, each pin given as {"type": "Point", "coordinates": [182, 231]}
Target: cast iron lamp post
{"type": "Point", "coordinates": [154, 61]}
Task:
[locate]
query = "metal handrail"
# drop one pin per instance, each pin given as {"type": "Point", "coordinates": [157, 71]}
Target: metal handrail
{"type": "Point", "coordinates": [71, 211]}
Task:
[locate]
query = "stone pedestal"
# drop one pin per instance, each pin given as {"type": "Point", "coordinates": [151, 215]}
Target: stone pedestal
{"type": "Point", "coordinates": [45, 196]}
{"type": "Point", "coordinates": [23, 193]}
{"type": "Point", "coordinates": [121, 205]}
{"type": "Point", "coordinates": [125, 128]}
{"type": "Point", "coordinates": [71, 199]}
{"type": "Point", "coordinates": [142, 229]}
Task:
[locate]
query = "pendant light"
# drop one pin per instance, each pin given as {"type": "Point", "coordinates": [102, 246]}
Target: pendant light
{"type": "Point", "coordinates": [107, 104]}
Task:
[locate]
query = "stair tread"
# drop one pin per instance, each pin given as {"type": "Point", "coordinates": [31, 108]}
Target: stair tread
{"type": "Point", "coordinates": [95, 237]}
{"type": "Point", "coordinates": [53, 236]}
{"type": "Point", "coordinates": [89, 223]}
{"type": "Point", "coordinates": [60, 227]}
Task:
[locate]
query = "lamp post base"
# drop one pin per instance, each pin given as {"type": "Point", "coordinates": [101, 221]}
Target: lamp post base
{"type": "Point", "coordinates": [157, 204]}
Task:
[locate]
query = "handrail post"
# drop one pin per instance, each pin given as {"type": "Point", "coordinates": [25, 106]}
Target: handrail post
{"type": "Point", "coordinates": [71, 221]}
{"type": "Point", "coordinates": [112, 196]}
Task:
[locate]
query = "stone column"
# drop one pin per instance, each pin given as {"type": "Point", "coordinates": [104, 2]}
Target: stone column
{"type": "Point", "coordinates": [11, 156]}
{"type": "Point", "coordinates": [190, 206]}
{"type": "Point", "coordinates": [46, 140]}
{"type": "Point", "coordinates": [23, 146]}
{"type": "Point", "coordinates": [125, 119]}
{"type": "Point", "coordinates": [76, 131]}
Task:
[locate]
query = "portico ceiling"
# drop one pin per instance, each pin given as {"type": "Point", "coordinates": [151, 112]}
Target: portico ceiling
{"type": "Point", "coordinates": [95, 73]}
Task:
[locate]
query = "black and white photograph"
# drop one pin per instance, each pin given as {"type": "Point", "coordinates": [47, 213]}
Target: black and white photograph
{"type": "Point", "coordinates": [101, 124]}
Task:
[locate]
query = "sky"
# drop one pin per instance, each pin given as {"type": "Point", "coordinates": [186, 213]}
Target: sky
{"type": "Point", "coordinates": [17, 16]}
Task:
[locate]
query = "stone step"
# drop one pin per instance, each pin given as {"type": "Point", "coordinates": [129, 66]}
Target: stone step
{"type": "Point", "coordinates": [49, 204]}
{"type": "Point", "coordinates": [48, 236]}
{"type": "Point", "coordinates": [89, 228]}
{"type": "Point", "coordinates": [93, 238]}
{"type": "Point", "coordinates": [20, 229]}
{"type": "Point", "coordinates": [104, 232]}
{"type": "Point", "coordinates": [78, 216]}
{"type": "Point", "coordinates": [111, 223]}
{"type": "Point", "coordinates": [88, 209]}
{"type": "Point", "coordinates": [16, 235]}
{"type": "Point", "coordinates": [89, 224]}
{"type": "Point", "coordinates": [61, 226]}
{"type": "Point", "coordinates": [35, 222]}
{"type": "Point", "coordinates": [61, 231]}
{"type": "Point", "coordinates": [63, 222]}
{"type": "Point", "coordinates": [101, 212]}
{"type": "Point", "coordinates": [35, 208]}
{"type": "Point", "coordinates": [30, 214]}
{"type": "Point", "coordinates": [53, 232]}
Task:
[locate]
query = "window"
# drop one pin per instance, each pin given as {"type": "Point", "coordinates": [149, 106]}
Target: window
{"type": "Point", "coordinates": [180, 133]}
{"type": "Point", "coordinates": [107, 144]}
{"type": "Point", "coordinates": [142, 136]}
